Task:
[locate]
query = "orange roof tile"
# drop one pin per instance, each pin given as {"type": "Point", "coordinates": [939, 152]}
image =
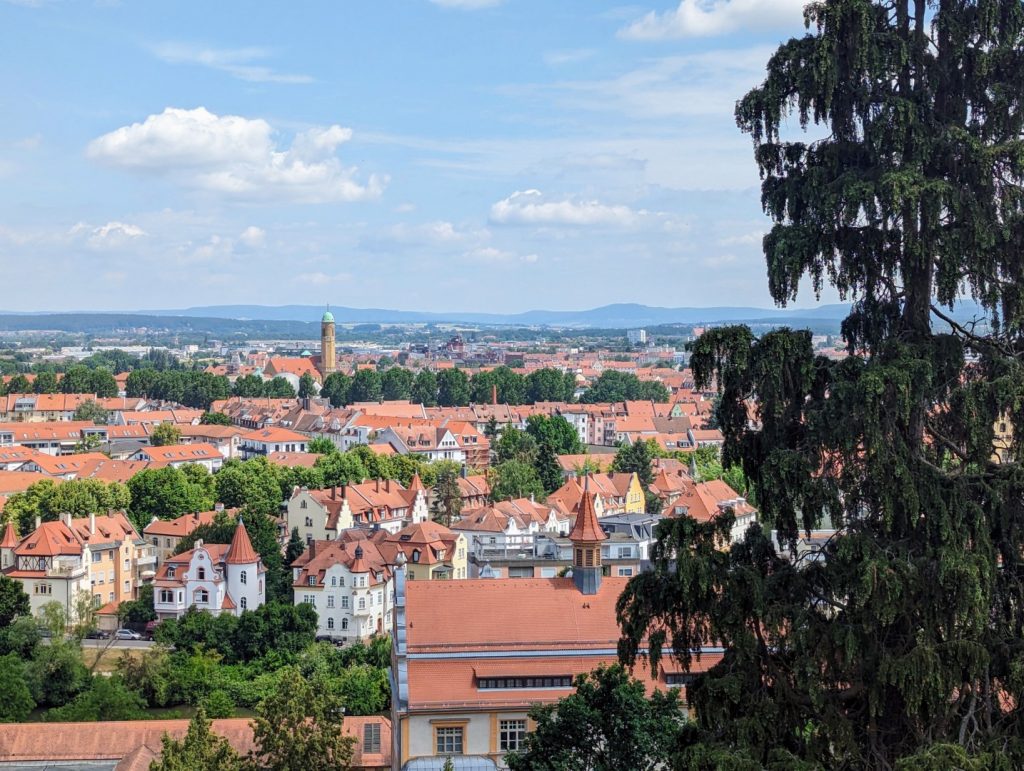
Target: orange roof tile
{"type": "Point", "coordinates": [10, 539]}
{"type": "Point", "coordinates": [586, 529]}
{"type": "Point", "coordinates": [241, 551]}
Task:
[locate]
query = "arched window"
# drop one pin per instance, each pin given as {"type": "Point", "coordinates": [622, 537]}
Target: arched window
{"type": "Point", "coordinates": [330, 623]}
{"type": "Point", "coordinates": [244, 578]}
{"type": "Point", "coordinates": [244, 603]}
{"type": "Point", "coordinates": [344, 623]}
{"type": "Point", "coordinates": [415, 555]}
{"type": "Point", "coordinates": [334, 580]}
{"type": "Point", "coordinates": [201, 574]}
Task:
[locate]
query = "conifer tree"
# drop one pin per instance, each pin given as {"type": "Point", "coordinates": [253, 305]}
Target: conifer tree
{"type": "Point", "coordinates": [904, 642]}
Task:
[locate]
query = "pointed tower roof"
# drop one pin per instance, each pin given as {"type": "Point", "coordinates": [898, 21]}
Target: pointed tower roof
{"type": "Point", "coordinates": [359, 564]}
{"type": "Point", "coordinates": [241, 551]}
{"type": "Point", "coordinates": [416, 484]}
{"type": "Point", "coordinates": [586, 528]}
{"type": "Point", "coordinates": [10, 539]}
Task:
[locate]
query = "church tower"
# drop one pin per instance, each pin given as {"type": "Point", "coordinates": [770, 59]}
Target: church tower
{"type": "Point", "coordinates": [327, 347]}
{"type": "Point", "coordinates": [586, 537]}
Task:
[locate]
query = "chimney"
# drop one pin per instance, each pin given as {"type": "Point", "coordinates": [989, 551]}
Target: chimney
{"type": "Point", "coordinates": [494, 394]}
{"type": "Point", "coordinates": [334, 493]}
{"type": "Point", "coordinates": [312, 548]}
{"type": "Point", "coordinates": [387, 485]}
{"type": "Point", "coordinates": [92, 522]}
{"type": "Point", "coordinates": [198, 543]}
{"type": "Point", "coordinates": [343, 491]}
{"type": "Point", "coordinates": [376, 485]}
{"type": "Point", "coordinates": [65, 517]}
{"type": "Point", "coordinates": [218, 507]}
{"type": "Point", "coordinates": [39, 521]}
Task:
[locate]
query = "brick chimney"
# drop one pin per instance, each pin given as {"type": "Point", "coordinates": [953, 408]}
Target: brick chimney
{"type": "Point", "coordinates": [334, 493]}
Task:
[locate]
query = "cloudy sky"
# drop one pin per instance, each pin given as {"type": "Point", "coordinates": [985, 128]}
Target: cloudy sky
{"type": "Point", "coordinates": [495, 155]}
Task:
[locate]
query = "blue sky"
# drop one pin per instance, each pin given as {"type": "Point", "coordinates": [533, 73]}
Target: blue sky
{"type": "Point", "coordinates": [496, 155]}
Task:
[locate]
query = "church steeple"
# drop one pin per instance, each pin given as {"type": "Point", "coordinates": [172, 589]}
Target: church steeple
{"type": "Point", "coordinates": [586, 537]}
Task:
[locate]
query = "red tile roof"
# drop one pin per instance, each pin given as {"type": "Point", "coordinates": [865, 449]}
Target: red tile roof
{"type": "Point", "coordinates": [586, 529]}
{"type": "Point", "coordinates": [241, 551]}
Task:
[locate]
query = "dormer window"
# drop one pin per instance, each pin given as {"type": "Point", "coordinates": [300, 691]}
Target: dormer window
{"type": "Point", "coordinates": [415, 555]}
{"type": "Point", "coordinates": [312, 580]}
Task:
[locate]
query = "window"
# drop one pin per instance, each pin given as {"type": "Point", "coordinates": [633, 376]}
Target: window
{"type": "Point", "coordinates": [330, 600]}
{"type": "Point", "coordinates": [334, 580]}
{"type": "Point", "coordinates": [511, 735]}
{"type": "Point", "coordinates": [330, 621]}
{"type": "Point", "coordinates": [344, 602]}
{"type": "Point", "coordinates": [489, 683]}
{"type": "Point", "coordinates": [341, 581]}
{"type": "Point", "coordinates": [170, 571]}
{"type": "Point", "coordinates": [166, 596]}
{"type": "Point", "coordinates": [448, 740]}
{"type": "Point", "coordinates": [344, 623]}
{"type": "Point", "coordinates": [244, 603]}
{"type": "Point", "coordinates": [302, 504]}
{"type": "Point", "coordinates": [244, 578]}
{"type": "Point", "coordinates": [309, 523]}
{"type": "Point", "coordinates": [679, 678]}
{"type": "Point", "coordinates": [201, 574]}
{"type": "Point", "coordinates": [415, 555]}
{"type": "Point", "coordinates": [311, 581]}
{"type": "Point", "coordinates": [202, 597]}
{"type": "Point", "coordinates": [371, 738]}
{"type": "Point", "coordinates": [362, 603]}
{"type": "Point", "coordinates": [625, 571]}
{"type": "Point", "coordinates": [43, 589]}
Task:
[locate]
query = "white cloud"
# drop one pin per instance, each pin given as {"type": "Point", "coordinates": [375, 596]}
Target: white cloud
{"type": "Point", "coordinates": [491, 254]}
{"type": "Point", "coordinates": [240, 63]}
{"type": "Point", "coordinates": [236, 156]}
{"type": "Point", "coordinates": [706, 18]}
{"type": "Point", "coordinates": [528, 207]}
{"type": "Point", "coordinates": [467, 5]}
{"type": "Point", "coordinates": [110, 236]}
{"type": "Point", "coordinates": [253, 236]}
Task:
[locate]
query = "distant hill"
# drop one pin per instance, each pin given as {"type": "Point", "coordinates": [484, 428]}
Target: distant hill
{"type": "Point", "coordinates": [622, 315]}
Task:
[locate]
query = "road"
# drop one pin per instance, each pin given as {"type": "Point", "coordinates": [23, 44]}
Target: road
{"type": "Point", "coordinates": [118, 644]}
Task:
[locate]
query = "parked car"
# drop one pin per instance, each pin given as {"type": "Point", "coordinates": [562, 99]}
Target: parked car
{"type": "Point", "coordinates": [150, 630]}
{"type": "Point", "coordinates": [127, 634]}
{"type": "Point", "coordinates": [96, 634]}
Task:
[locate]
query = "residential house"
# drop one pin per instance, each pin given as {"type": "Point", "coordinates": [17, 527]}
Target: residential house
{"type": "Point", "coordinates": [120, 561]}
{"type": "Point", "coordinates": [267, 440]}
{"type": "Point", "coordinates": [433, 552]}
{"type": "Point", "coordinates": [617, 493]}
{"type": "Point", "coordinates": [322, 515]}
{"type": "Point", "coordinates": [349, 584]}
{"type": "Point", "coordinates": [219, 578]}
{"type": "Point", "coordinates": [49, 563]}
{"type": "Point", "coordinates": [178, 455]}
{"type": "Point", "coordinates": [164, 535]}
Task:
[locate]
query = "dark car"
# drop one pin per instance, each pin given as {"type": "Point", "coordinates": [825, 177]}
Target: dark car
{"type": "Point", "coordinates": [96, 634]}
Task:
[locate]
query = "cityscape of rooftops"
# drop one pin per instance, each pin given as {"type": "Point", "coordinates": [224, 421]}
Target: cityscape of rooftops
{"type": "Point", "coordinates": [507, 385]}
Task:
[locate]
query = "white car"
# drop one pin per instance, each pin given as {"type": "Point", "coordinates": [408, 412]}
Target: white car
{"type": "Point", "coordinates": [127, 634]}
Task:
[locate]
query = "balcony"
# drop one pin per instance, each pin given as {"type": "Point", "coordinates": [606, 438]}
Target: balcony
{"type": "Point", "coordinates": [147, 559]}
